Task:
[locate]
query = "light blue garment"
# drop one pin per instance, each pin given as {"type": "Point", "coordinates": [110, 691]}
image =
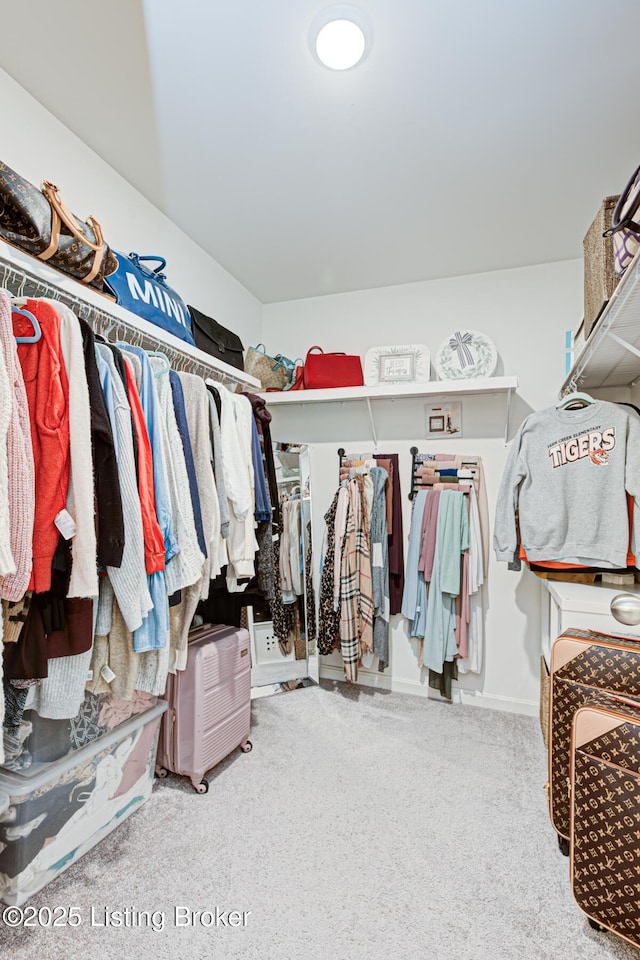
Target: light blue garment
{"type": "Point", "coordinates": [452, 539]}
{"type": "Point", "coordinates": [149, 400]}
{"type": "Point", "coordinates": [153, 634]}
{"type": "Point", "coordinates": [414, 597]}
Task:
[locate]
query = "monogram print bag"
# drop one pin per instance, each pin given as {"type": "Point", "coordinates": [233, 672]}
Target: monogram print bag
{"type": "Point", "coordinates": [605, 817]}
{"type": "Point", "coordinates": [586, 668]}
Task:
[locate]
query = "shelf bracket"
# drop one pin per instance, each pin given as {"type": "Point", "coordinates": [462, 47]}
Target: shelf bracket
{"type": "Point", "coordinates": [623, 343]}
{"type": "Point", "coordinates": [372, 422]}
{"type": "Point", "coordinates": [506, 417]}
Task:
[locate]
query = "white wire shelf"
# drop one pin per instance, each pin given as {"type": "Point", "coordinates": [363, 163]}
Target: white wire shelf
{"type": "Point", "coordinates": [611, 355]}
{"type": "Point", "coordinates": [22, 274]}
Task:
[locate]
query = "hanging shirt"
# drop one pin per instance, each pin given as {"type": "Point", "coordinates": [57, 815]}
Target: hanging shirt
{"type": "Point", "coordinates": [129, 581]}
{"type": "Point", "coordinates": [47, 389]}
{"type": "Point", "coordinates": [568, 472]}
{"type": "Point", "coordinates": [452, 540]}
{"type": "Point", "coordinates": [414, 597]}
{"type": "Point", "coordinates": [380, 566]}
{"type": "Point", "coordinates": [197, 407]}
{"type": "Point", "coordinates": [263, 507]}
{"type": "Point", "coordinates": [20, 477]}
{"type": "Point", "coordinates": [110, 542]}
{"type": "Point", "coordinates": [80, 496]}
{"type": "Point", "coordinates": [153, 417]}
{"type": "Point", "coordinates": [185, 568]}
{"type": "Point", "coordinates": [183, 429]}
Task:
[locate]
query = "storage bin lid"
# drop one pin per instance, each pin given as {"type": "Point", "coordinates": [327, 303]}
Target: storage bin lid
{"type": "Point", "coordinates": [14, 783]}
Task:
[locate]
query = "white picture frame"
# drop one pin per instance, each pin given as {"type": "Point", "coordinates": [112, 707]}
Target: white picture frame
{"type": "Point", "coordinates": [397, 367]}
{"type": "Point", "coordinates": [399, 363]}
{"type": "Point", "coordinates": [443, 421]}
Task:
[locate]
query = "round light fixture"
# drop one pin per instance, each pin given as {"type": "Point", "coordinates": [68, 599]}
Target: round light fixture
{"type": "Point", "coordinates": [340, 44]}
{"type": "Point", "coordinates": [340, 36]}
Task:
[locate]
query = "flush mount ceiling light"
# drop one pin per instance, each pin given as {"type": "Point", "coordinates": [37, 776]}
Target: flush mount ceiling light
{"type": "Point", "coordinates": [340, 36]}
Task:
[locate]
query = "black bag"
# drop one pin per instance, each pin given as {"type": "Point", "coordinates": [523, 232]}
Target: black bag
{"type": "Point", "coordinates": [216, 340]}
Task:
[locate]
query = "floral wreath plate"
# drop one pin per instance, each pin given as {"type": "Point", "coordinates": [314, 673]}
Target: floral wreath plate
{"type": "Point", "coordinates": [466, 354]}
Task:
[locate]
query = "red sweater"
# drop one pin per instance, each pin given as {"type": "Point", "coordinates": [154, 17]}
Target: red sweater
{"type": "Point", "coordinates": [154, 550]}
{"type": "Point", "coordinates": [45, 380]}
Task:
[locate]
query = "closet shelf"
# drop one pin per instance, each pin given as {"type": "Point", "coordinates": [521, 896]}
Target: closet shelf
{"type": "Point", "coordinates": [396, 391]}
{"type": "Point", "coordinates": [611, 355]}
{"type": "Point", "coordinates": [391, 393]}
{"type": "Point", "coordinates": [34, 278]}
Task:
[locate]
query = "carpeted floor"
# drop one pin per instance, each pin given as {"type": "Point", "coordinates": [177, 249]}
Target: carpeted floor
{"type": "Point", "coordinates": [364, 825]}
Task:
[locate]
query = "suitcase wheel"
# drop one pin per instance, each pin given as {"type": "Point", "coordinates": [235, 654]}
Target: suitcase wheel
{"type": "Point", "coordinates": [202, 787]}
{"type": "Point", "coordinates": [563, 843]}
{"type": "Point", "coordinates": [246, 747]}
{"type": "Point", "coordinates": [161, 773]}
{"type": "Point", "coordinates": [595, 925]}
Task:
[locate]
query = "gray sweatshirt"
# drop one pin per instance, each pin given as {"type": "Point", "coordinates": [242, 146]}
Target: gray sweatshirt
{"type": "Point", "coordinates": [568, 472]}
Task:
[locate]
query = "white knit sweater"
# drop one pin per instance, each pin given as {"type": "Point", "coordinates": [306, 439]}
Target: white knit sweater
{"type": "Point", "coordinates": [129, 581]}
{"type": "Point", "coordinates": [21, 488]}
{"type": "Point", "coordinates": [80, 498]}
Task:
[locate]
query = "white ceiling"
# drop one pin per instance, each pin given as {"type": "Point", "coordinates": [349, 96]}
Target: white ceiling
{"type": "Point", "coordinates": [474, 136]}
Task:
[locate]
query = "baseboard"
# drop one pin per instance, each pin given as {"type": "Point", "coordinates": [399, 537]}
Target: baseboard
{"type": "Point", "coordinates": [475, 698]}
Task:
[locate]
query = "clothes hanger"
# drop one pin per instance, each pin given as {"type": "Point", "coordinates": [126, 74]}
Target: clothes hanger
{"type": "Point", "coordinates": [37, 330]}
{"type": "Point", "coordinates": [166, 365]}
{"type": "Point", "coordinates": [582, 399]}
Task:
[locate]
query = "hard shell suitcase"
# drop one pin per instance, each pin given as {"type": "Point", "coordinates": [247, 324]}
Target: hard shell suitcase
{"type": "Point", "coordinates": [586, 668]}
{"type": "Point", "coordinates": [209, 711]}
{"type": "Point", "coordinates": [605, 817]}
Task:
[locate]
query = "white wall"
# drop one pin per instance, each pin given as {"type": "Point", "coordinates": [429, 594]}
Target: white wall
{"type": "Point", "coordinates": [39, 147]}
{"type": "Point", "coordinates": [526, 312]}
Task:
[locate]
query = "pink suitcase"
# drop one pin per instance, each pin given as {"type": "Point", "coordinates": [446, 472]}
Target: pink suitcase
{"type": "Point", "coordinates": [209, 711]}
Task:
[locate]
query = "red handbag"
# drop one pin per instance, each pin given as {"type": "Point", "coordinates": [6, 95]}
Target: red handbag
{"type": "Point", "coordinates": [324, 370]}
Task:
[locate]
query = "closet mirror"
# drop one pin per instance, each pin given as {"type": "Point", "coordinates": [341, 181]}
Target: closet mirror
{"type": "Point", "coordinates": [283, 632]}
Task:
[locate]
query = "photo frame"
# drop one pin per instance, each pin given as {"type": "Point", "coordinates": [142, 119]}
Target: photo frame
{"type": "Point", "coordinates": [397, 367]}
{"type": "Point", "coordinates": [400, 363]}
{"type": "Point", "coordinates": [443, 421]}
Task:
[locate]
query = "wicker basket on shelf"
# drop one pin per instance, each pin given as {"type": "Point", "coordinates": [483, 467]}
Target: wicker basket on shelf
{"type": "Point", "coordinates": [599, 278]}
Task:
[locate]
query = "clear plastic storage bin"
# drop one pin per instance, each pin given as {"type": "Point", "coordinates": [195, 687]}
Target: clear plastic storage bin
{"type": "Point", "coordinates": [41, 740]}
{"type": "Point", "coordinates": [49, 819]}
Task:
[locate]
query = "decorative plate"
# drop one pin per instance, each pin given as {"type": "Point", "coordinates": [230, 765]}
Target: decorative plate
{"type": "Point", "coordinates": [466, 354]}
{"type": "Point", "coordinates": [406, 363]}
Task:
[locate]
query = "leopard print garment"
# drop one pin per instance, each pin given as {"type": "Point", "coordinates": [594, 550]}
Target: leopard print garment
{"type": "Point", "coordinates": [310, 593]}
{"type": "Point", "coordinates": [283, 615]}
{"type": "Point", "coordinates": [329, 619]}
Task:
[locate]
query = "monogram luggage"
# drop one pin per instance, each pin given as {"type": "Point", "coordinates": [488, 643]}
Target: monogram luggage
{"type": "Point", "coordinates": [605, 817]}
{"type": "Point", "coordinates": [209, 711]}
{"type": "Point", "coordinates": [586, 668]}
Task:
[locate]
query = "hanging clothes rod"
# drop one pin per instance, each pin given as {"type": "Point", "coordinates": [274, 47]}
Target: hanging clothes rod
{"type": "Point", "coordinates": [470, 464]}
{"type": "Point", "coordinates": [19, 281]}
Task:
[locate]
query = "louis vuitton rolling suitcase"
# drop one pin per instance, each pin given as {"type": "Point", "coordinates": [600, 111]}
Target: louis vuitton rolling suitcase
{"type": "Point", "coordinates": [586, 668]}
{"type": "Point", "coordinates": [209, 712]}
{"type": "Point", "coordinates": [605, 817]}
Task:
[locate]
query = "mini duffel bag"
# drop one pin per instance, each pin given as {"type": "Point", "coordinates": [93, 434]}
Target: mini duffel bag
{"type": "Point", "coordinates": [146, 293]}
